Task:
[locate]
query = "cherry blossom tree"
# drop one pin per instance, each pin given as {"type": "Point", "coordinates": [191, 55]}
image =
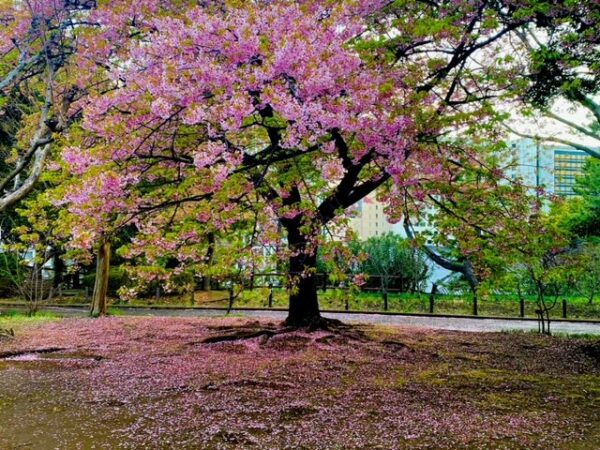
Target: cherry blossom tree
{"type": "Point", "coordinates": [278, 115]}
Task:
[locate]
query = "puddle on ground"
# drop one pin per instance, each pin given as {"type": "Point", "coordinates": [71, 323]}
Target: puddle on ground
{"type": "Point", "coordinates": [51, 357]}
{"type": "Point", "coordinates": [48, 360]}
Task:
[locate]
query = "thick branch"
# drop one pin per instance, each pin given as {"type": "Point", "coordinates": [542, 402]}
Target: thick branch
{"type": "Point", "coordinates": [24, 161]}
{"type": "Point", "coordinates": [573, 125]}
{"type": "Point", "coordinates": [27, 186]}
{"type": "Point", "coordinates": [588, 103]}
{"type": "Point", "coordinates": [435, 257]}
{"type": "Point", "coordinates": [24, 63]}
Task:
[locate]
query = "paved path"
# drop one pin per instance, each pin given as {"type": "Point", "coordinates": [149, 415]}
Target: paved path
{"type": "Point", "coordinates": [441, 323]}
{"type": "Point", "coordinates": [470, 324]}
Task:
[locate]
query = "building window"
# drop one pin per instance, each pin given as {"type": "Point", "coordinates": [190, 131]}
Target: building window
{"type": "Point", "coordinates": [568, 164]}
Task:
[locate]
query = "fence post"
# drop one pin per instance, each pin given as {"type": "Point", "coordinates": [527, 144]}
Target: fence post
{"type": "Point", "coordinates": [564, 308]}
{"type": "Point", "coordinates": [270, 295]}
{"type": "Point", "coordinates": [475, 308]}
{"type": "Point", "coordinates": [325, 281]}
{"type": "Point", "coordinates": [521, 307]}
{"type": "Point", "coordinates": [87, 293]}
{"type": "Point", "coordinates": [385, 299]}
{"type": "Point", "coordinates": [432, 297]}
{"type": "Point", "coordinates": [157, 293]}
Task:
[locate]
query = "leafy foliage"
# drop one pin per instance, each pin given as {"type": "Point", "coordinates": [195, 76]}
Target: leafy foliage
{"type": "Point", "coordinates": [586, 221]}
{"type": "Point", "coordinates": [394, 263]}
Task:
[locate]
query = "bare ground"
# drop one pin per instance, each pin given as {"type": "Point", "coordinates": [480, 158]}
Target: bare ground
{"type": "Point", "coordinates": [162, 383]}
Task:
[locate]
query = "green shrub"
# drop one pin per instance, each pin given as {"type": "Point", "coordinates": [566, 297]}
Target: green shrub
{"type": "Point", "coordinates": [7, 287]}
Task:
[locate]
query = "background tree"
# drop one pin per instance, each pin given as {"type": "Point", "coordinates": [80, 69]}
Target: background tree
{"type": "Point", "coordinates": [584, 213]}
{"type": "Point", "coordinates": [392, 262]}
{"type": "Point", "coordinates": [563, 73]}
{"type": "Point", "coordinates": [586, 276]}
{"type": "Point", "coordinates": [473, 211]}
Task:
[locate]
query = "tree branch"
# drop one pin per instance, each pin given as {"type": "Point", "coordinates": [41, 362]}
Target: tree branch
{"type": "Point", "coordinates": [584, 148]}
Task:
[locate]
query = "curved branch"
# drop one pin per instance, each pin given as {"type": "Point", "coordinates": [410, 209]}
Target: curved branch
{"type": "Point", "coordinates": [572, 125]}
{"type": "Point", "coordinates": [24, 161]}
{"type": "Point", "coordinates": [576, 145]}
{"type": "Point", "coordinates": [435, 257]}
{"type": "Point", "coordinates": [23, 64]}
{"type": "Point", "coordinates": [28, 185]}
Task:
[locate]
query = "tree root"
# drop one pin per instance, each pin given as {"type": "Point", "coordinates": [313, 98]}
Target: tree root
{"type": "Point", "coordinates": [241, 334]}
{"type": "Point", "coordinates": [396, 345]}
{"type": "Point", "coordinates": [8, 333]}
{"type": "Point", "coordinates": [316, 323]}
{"type": "Point", "coordinates": [244, 382]}
{"type": "Point", "coordinates": [255, 329]}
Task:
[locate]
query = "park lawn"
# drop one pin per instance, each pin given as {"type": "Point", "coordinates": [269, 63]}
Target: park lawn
{"type": "Point", "coordinates": [337, 299]}
{"type": "Point", "coordinates": [501, 306]}
{"type": "Point", "coordinates": [126, 382]}
{"type": "Point", "coordinates": [17, 321]}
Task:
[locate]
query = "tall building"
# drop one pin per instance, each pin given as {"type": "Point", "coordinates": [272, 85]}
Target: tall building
{"type": "Point", "coordinates": [567, 165]}
{"type": "Point", "coordinates": [548, 166]}
{"type": "Point", "coordinates": [369, 218]}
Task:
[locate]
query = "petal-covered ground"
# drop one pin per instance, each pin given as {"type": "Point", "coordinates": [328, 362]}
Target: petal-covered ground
{"type": "Point", "coordinates": [154, 383]}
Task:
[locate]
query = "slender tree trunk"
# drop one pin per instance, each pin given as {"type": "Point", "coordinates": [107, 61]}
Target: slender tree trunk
{"type": "Point", "coordinates": [99, 300]}
{"type": "Point", "coordinates": [210, 253]}
{"type": "Point", "coordinates": [521, 301]}
{"type": "Point", "coordinates": [76, 284]}
{"type": "Point", "coordinates": [59, 269]}
{"type": "Point", "coordinates": [384, 291]}
{"type": "Point", "coordinates": [304, 302]}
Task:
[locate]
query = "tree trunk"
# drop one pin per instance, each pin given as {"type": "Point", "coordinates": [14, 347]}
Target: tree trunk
{"type": "Point", "coordinates": [384, 291]}
{"type": "Point", "coordinates": [76, 284]}
{"type": "Point", "coordinates": [59, 268]}
{"type": "Point", "coordinates": [99, 303]}
{"type": "Point", "coordinates": [304, 303]}
{"type": "Point", "coordinates": [210, 253]}
{"type": "Point", "coordinates": [473, 283]}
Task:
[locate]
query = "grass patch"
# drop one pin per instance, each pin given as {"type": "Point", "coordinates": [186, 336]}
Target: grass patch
{"type": "Point", "coordinates": [338, 299]}
{"type": "Point", "coordinates": [581, 336]}
{"type": "Point", "coordinates": [17, 319]}
{"type": "Point", "coordinates": [417, 303]}
{"type": "Point", "coordinates": [115, 312]}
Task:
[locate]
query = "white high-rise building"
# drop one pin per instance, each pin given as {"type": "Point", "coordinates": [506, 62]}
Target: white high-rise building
{"type": "Point", "coordinates": [548, 166]}
{"type": "Point", "coordinates": [369, 218]}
